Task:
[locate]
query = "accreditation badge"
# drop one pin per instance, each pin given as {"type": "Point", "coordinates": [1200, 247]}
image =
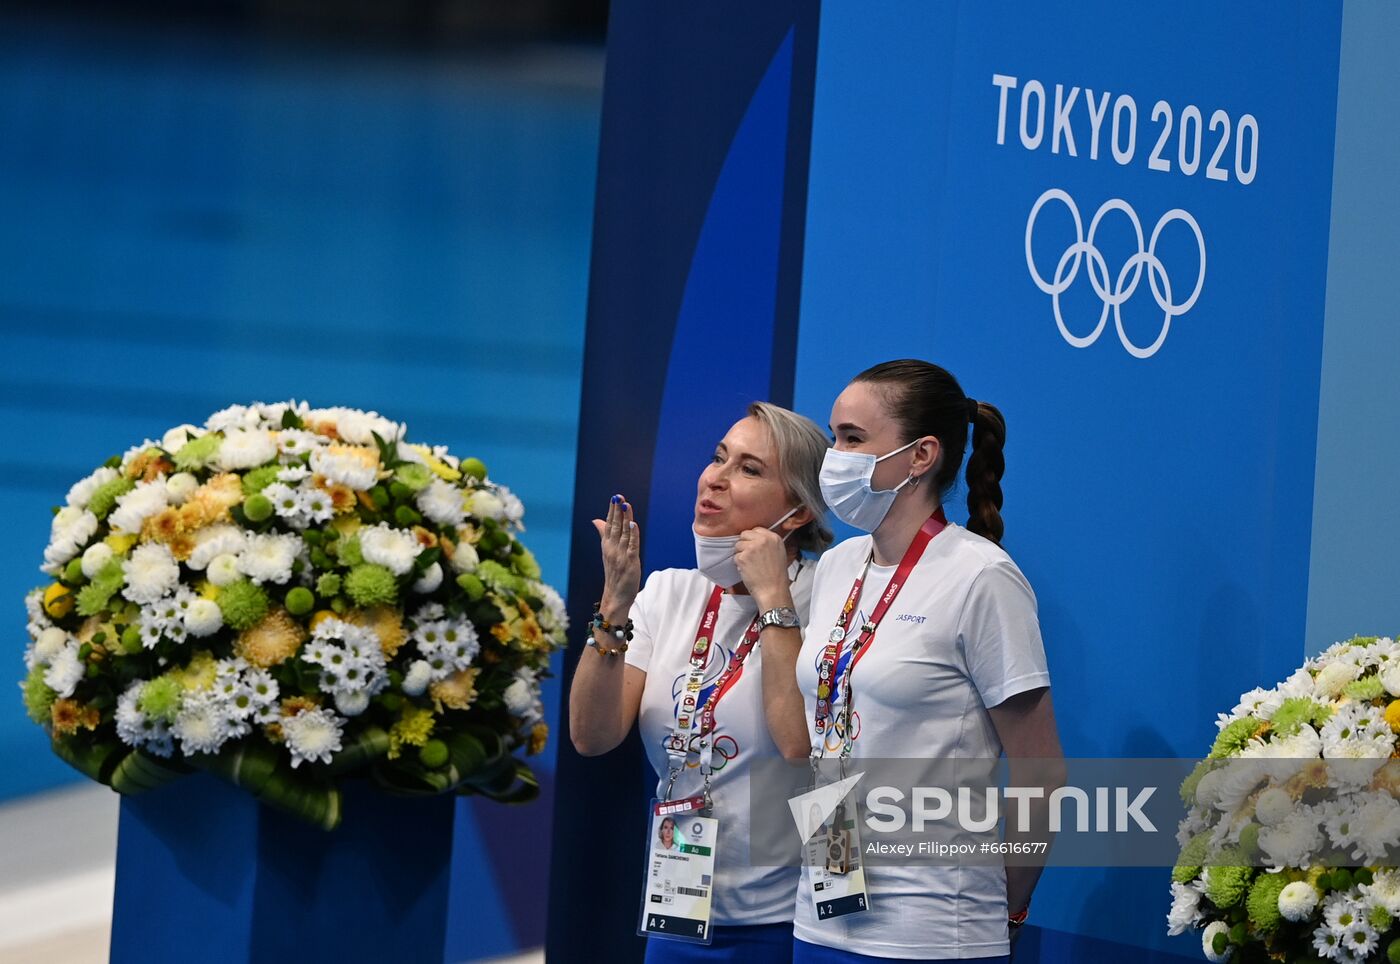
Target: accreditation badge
{"type": "Point", "coordinates": [681, 851]}
{"type": "Point", "coordinates": [834, 871]}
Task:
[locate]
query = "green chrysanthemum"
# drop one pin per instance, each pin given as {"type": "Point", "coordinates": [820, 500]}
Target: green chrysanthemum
{"type": "Point", "coordinates": [38, 698]}
{"type": "Point", "coordinates": [1227, 884]}
{"type": "Point", "coordinates": [160, 698]}
{"type": "Point", "coordinates": [497, 576]}
{"type": "Point", "coordinates": [1233, 737]}
{"type": "Point", "coordinates": [1295, 711]}
{"type": "Point", "coordinates": [1193, 855]}
{"type": "Point", "coordinates": [97, 595]}
{"type": "Point", "coordinates": [1363, 640]}
{"type": "Point", "coordinates": [1262, 904]}
{"type": "Point", "coordinates": [524, 563]}
{"type": "Point", "coordinates": [197, 453]}
{"type": "Point", "coordinates": [348, 551]}
{"type": "Point", "coordinates": [371, 585]}
{"type": "Point", "coordinates": [1193, 780]}
{"type": "Point", "coordinates": [104, 499]}
{"type": "Point", "coordinates": [243, 604]}
{"type": "Point", "coordinates": [260, 478]}
{"type": "Point", "coordinates": [1379, 918]}
{"type": "Point", "coordinates": [328, 585]}
{"type": "Point", "coordinates": [1365, 689]}
{"type": "Point", "coordinates": [413, 475]}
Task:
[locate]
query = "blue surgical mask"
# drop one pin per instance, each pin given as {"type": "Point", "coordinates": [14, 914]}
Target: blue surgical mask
{"type": "Point", "coordinates": [845, 480]}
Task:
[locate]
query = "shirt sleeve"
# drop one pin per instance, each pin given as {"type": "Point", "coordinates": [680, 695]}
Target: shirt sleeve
{"type": "Point", "coordinates": [643, 642]}
{"type": "Point", "coordinates": [999, 632]}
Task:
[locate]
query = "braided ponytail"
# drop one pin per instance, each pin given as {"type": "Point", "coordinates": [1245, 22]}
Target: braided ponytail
{"type": "Point", "coordinates": [985, 467]}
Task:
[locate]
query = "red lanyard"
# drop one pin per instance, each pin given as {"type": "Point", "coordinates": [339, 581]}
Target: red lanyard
{"type": "Point", "coordinates": [826, 669]}
{"type": "Point", "coordinates": [678, 743]}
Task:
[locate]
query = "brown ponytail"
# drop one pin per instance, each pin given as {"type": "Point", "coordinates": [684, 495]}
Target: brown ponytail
{"type": "Point", "coordinates": [984, 470]}
{"type": "Point", "coordinates": [924, 399]}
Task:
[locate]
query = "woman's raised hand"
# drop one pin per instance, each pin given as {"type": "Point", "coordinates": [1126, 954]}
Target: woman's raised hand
{"type": "Point", "coordinates": [763, 561]}
{"type": "Point", "coordinates": [622, 560]}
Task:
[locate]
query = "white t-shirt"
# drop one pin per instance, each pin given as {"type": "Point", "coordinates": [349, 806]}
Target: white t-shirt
{"type": "Point", "coordinates": [665, 618]}
{"type": "Point", "coordinates": [961, 636]}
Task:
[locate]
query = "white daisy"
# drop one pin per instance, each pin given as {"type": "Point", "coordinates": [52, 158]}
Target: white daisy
{"type": "Point", "coordinates": [554, 617]}
{"type": "Point", "coordinates": [485, 504]}
{"type": "Point", "coordinates": [246, 448]}
{"type": "Point", "coordinates": [151, 572]}
{"type": "Point", "coordinates": [442, 503]}
{"type": "Point", "coordinates": [511, 506]}
{"type": "Point", "coordinates": [82, 490]}
{"type": "Point", "coordinates": [294, 443]}
{"type": "Point", "coordinates": [72, 528]}
{"type": "Point", "coordinates": [312, 735]}
{"type": "Point", "coordinates": [292, 474]}
{"type": "Point", "coordinates": [1185, 912]}
{"type": "Point", "coordinates": [1376, 826]}
{"type": "Point", "coordinates": [203, 618]}
{"type": "Point", "coordinates": [464, 555]}
{"type": "Point", "coordinates": [394, 549]}
{"type": "Point", "coordinates": [179, 487]}
{"type": "Point", "coordinates": [65, 670]}
{"type": "Point", "coordinates": [138, 505]}
{"type": "Point", "coordinates": [1208, 941]}
{"type": "Point", "coordinates": [315, 504]}
{"type": "Point", "coordinates": [416, 680]}
{"type": "Point", "coordinates": [429, 581]}
{"type": "Point", "coordinates": [49, 644]}
{"type": "Point", "coordinates": [344, 468]}
{"type": "Point", "coordinates": [233, 417]}
{"type": "Point", "coordinates": [202, 725]}
{"type": "Point", "coordinates": [216, 540]}
{"type": "Point", "coordinates": [269, 558]}
{"type": "Point", "coordinates": [1384, 891]}
{"type": "Point", "coordinates": [1297, 901]}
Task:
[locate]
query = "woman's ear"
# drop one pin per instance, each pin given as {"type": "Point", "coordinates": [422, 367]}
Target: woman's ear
{"type": "Point", "coordinates": [796, 521]}
{"type": "Point", "coordinates": [927, 452]}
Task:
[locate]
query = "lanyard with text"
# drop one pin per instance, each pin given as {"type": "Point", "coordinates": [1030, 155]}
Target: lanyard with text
{"type": "Point", "coordinates": [678, 743]}
{"type": "Point", "coordinates": [829, 676]}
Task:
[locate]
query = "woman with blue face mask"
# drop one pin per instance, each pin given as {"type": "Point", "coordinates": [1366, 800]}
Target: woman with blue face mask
{"type": "Point", "coordinates": [923, 645]}
{"type": "Point", "coordinates": [702, 661]}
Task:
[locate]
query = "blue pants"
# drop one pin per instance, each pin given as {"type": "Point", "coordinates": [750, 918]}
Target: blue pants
{"type": "Point", "coordinates": [805, 953]}
{"type": "Point", "coordinates": [760, 944]}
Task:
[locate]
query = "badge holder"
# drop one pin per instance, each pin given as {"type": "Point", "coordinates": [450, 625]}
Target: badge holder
{"type": "Point", "coordinates": [835, 872]}
{"type": "Point", "coordinates": [682, 841]}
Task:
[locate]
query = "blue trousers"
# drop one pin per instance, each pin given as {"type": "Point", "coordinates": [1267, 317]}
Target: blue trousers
{"type": "Point", "coordinates": [759, 943]}
{"type": "Point", "coordinates": [805, 953]}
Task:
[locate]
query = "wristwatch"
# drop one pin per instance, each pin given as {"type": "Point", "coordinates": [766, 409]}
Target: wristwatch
{"type": "Point", "coordinates": [784, 617]}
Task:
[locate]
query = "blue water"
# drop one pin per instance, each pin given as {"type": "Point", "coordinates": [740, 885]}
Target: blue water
{"type": "Point", "coordinates": [190, 219]}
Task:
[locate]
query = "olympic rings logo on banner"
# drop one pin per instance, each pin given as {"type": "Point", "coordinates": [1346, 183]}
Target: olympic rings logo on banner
{"type": "Point", "coordinates": [1125, 285]}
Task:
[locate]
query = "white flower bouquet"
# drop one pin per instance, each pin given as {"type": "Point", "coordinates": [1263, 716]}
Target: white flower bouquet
{"type": "Point", "coordinates": [1291, 840]}
{"type": "Point", "coordinates": [290, 597]}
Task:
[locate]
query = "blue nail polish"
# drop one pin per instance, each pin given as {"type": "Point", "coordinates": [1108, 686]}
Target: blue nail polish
{"type": "Point", "coordinates": [616, 499]}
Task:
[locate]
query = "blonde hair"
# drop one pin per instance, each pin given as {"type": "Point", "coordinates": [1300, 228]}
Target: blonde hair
{"type": "Point", "coordinates": [801, 447]}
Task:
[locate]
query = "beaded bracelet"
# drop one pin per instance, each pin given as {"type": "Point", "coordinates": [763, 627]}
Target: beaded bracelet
{"type": "Point", "coordinates": [623, 633]}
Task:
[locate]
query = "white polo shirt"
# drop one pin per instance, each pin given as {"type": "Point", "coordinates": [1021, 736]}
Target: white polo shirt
{"type": "Point", "coordinates": [961, 636]}
{"type": "Point", "coordinates": [665, 617]}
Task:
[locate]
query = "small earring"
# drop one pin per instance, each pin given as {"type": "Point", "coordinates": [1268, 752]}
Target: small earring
{"type": "Point", "coordinates": [913, 481]}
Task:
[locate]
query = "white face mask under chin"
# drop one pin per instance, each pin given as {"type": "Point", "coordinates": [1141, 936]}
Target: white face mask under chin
{"type": "Point", "coordinates": [845, 481]}
{"type": "Point", "coordinates": [714, 555]}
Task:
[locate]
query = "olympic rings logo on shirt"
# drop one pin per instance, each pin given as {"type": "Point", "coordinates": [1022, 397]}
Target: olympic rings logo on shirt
{"type": "Point", "coordinates": [1083, 248]}
{"type": "Point", "coordinates": [726, 748]}
{"type": "Point", "coordinates": [835, 737]}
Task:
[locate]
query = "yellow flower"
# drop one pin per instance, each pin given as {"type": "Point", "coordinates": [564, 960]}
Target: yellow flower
{"type": "Point", "coordinates": [1392, 715]}
{"type": "Point", "coordinates": [436, 465]}
{"type": "Point", "coordinates": [457, 692]}
{"type": "Point", "coordinates": [58, 600]}
{"type": "Point", "coordinates": [342, 500]}
{"type": "Point", "coordinates": [385, 622]}
{"type": "Point", "coordinates": [539, 736]}
{"type": "Point", "coordinates": [65, 714]}
{"type": "Point", "coordinates": [120, 543]}
{"type": "Point", "coordinates": [412, 729]}
{"type": "Point", "coordinates": [199, 674]}
{"type": "Point", "coordinates": [273, 640]}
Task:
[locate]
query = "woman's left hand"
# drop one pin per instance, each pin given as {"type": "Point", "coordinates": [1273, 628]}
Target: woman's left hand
{"type": "Point", "coordinates": [762, 558]}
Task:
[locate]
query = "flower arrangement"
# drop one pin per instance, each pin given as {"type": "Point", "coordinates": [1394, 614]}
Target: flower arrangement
{"type": "Point", "coordinates": [1290, 841]}
{"type": "Point", "coordinates": [290, 597]}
